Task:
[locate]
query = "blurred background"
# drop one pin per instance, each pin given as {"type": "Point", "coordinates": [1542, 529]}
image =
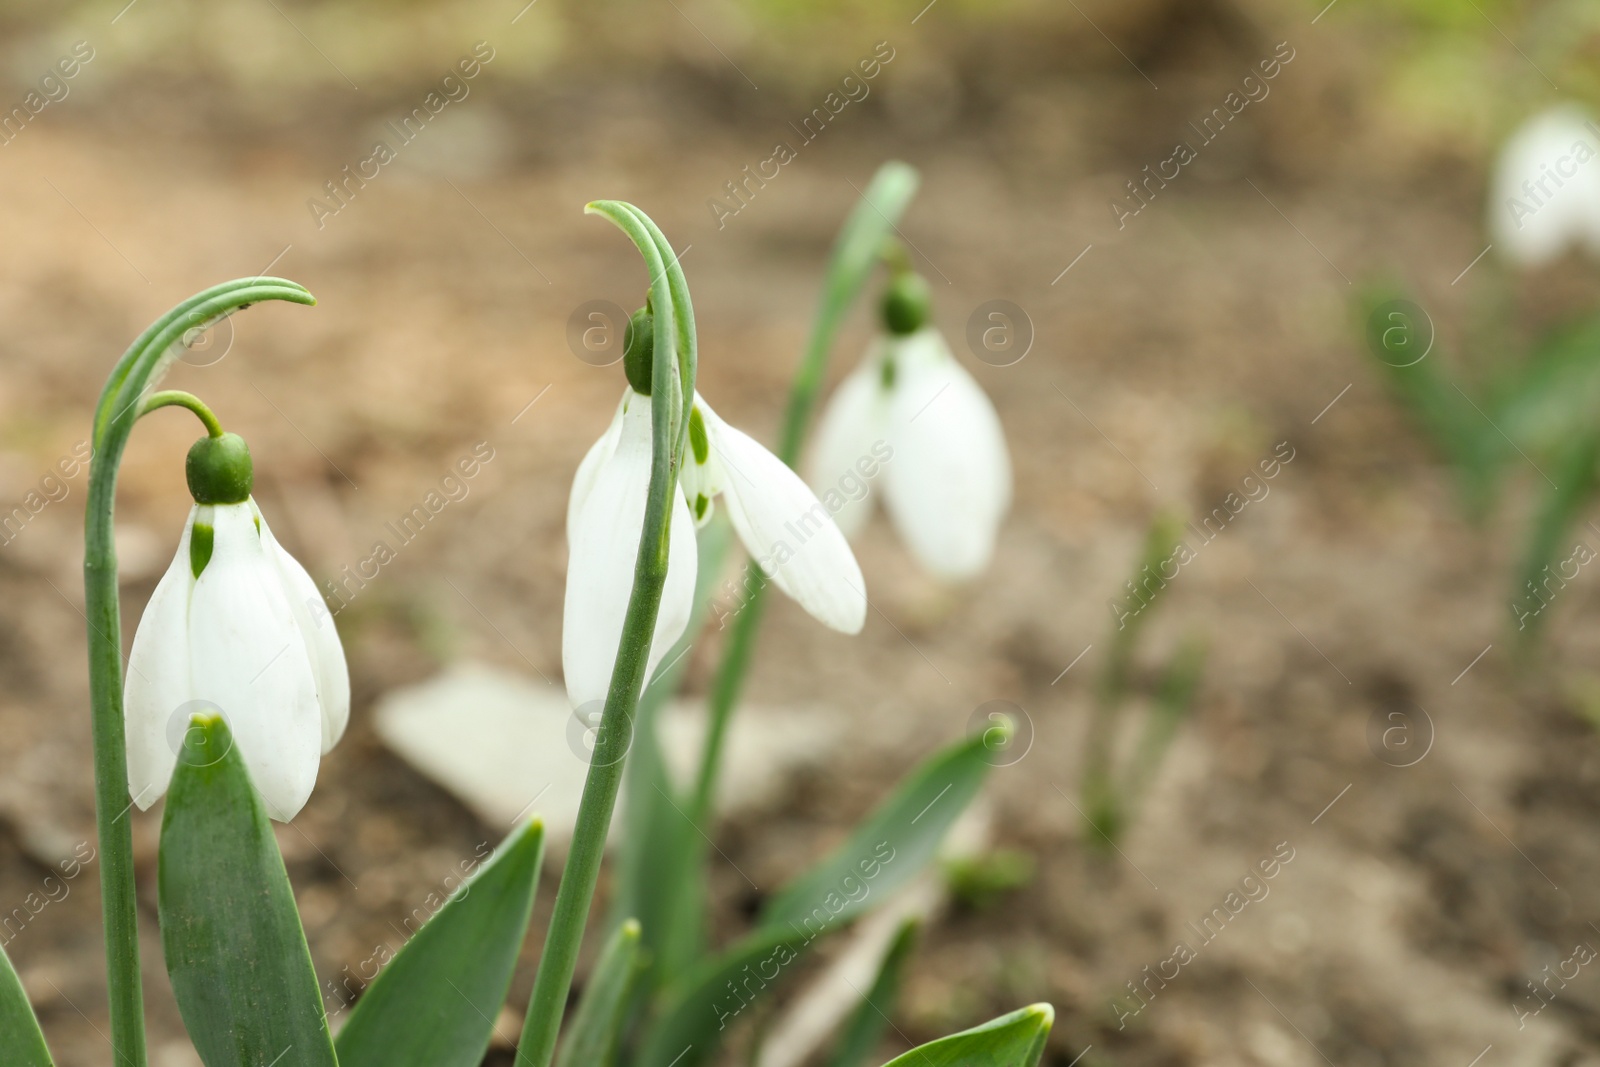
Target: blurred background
{"type": "Point", "coordinates": [1442, 886]}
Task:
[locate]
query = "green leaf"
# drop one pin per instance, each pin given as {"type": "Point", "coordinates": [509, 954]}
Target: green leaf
{"type": "Point", "coordinates": [21, 1041]}
{"type": "Point", "coordinates": [700, 1006]}
{"type": "Point", "coordinates": [865, 1028]}
{"type": "Point", "coordinates": [1014, 1040]}
{"type": "Point", "coordinates": [235, 951]}
{"type": "Point", "coordinates": [979, 882]}
{"type": "Point", "coordinates": [1554, 396]}
{"type": "Point", "coordinates": [890, 847]}
{"type": "Point", "coordinates": [1461, 429]}
{"type": "Point", "coordinates": [436, 1001]}
{"type": "Point", "coordinates": [1544, 561]}
{"type": "Point", "coordinates": [885, 852]}
{"type": "Point", "coordinates": [1174, 699]}
{"type": "Point", "coordinates": [1161, 541]}
{"type": "Point", "coordinates": [592, 1035]}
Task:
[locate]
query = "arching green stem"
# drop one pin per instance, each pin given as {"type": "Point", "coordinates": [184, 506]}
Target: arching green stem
{"type": "Point", "coordinates": [671, 396]}
{"type": "Point", "coordinates": [860, 243]}
{"type": "Point", "coordinates": [121, 403]}
{"type": "Point", "coordinates": [177, 398]}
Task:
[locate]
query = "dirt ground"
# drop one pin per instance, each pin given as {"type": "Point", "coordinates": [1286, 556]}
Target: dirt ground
{"type": "Point", "coordinates": [1417, 904]}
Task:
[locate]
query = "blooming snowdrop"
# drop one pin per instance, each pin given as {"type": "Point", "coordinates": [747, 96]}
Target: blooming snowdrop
{"type": "Point", "coordinates": [1545, 191]}
{"type": "Point", "coordinates": [913, 410]}
{"type": "Point", "coordinates": [784, 527]}
{"type": "Point", "coordinates": [235, 626]}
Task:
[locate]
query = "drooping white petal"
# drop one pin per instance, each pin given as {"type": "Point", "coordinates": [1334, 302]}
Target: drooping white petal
{"type": "Point", "coordinates": [603, 549]}
{"type": "Point", "coordinates": [589, 468]}
{"type": "Point", "coordinates": [787, 530]}
{"type": "Point", "coordinates": [249, 659]}
{"type": "Point", "coordinates": [1545, 191]}
{"type": "Point", "coordinates": [317, 630]}
{"type": "Point", "coordinates": [851, 445]}
{"type": "Point", "coordinates": [948, 484]}
{"type": "Point", "coordinates": [157, 685]}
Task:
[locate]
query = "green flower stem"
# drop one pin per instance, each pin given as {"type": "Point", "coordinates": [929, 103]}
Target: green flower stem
{"type": "Point", "coordinates": [671, 394]}
{"type": "Point", "coordinates": [860, 243]}
{"type": "Point", "coordinates": [121, 404]}
{"type": "Point", "coordinates": [170, 398]}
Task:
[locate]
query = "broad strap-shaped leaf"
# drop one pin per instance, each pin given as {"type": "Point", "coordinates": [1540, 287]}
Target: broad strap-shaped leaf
{"type": "Point", "coordinates": [21, 1041]}
{"type": "Point", "coordinates": [1548, 555]}
{"type": "Point", "coordinates": [1545, 399]}
{"type": "Point", "coordinates": [884, 853]}
{"type": "Point", "coordinates": [1459, 426]}
{"type": "Point", "coordinates": [698, 1010]}
{"type": "Point", "coordinates": [890, 847]}
{"type": "Point", "coordinates": [235, 951]}
{"type": "Point", "coordinates": [1172, 704]}
{"type": "Point", "coordinates": [591, 1037]}
{"type": "Point", "coordinates": [865, 1026]}
{"type": "Point", "coordinates": [436, 1001]}
{"type": "Point", "coordinates": [1014, 1040]}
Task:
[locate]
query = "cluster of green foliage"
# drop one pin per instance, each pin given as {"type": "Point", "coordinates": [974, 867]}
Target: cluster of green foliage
{"type": "Point", "coordinates": [1531, 416]}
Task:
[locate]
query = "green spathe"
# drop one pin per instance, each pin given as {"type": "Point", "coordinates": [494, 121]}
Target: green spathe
{"type": "Point", "coordinates": [219, 470]}
{"type": "Point", "coordinates": [906, 303]}
{"type": "Point", "coordinates": [638, 350]}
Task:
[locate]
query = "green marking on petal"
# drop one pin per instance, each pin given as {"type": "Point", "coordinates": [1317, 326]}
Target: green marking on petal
{"type": "Point", "coordinates": [202, 541]}
{"type": "Point", "coordinates": [700, 505]}
{"type": "Point", "coordinates": [697, 437]}
{"type": "Point", "coordinates": [886, 373]}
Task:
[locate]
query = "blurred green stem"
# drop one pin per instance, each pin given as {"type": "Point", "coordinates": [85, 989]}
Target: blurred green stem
{"type": "Point", "coordinates": [855, 252]}
{"type": "Point", "coordinates": [121, 403]}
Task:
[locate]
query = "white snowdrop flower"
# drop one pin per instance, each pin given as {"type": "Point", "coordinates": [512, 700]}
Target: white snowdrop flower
{"type": "Point", "coordinates": [912, 417]}
{"type": "Point", "coordinates": [1545, 191]}
{"type": "Point", "coordinates": [235, 626]}
{"type": "Point", "coordinates": [784, 527]}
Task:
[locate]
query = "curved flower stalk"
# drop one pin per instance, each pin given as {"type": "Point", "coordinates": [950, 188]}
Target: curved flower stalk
{"type": "Point", "coordinates": [657, 881]}
{"type": "Point", "coordinates": [1545, 190]}
{"type": "Point", "coordinates": [121, 403]}
{"type": "Point", "coordinates": [783, 526]}
{"type": "Point", "coordinates": [235, 626]}
{"type": "Point", "coordinates": [913, 409]}
{"type": "Point", "coordinates": [671, 387]}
